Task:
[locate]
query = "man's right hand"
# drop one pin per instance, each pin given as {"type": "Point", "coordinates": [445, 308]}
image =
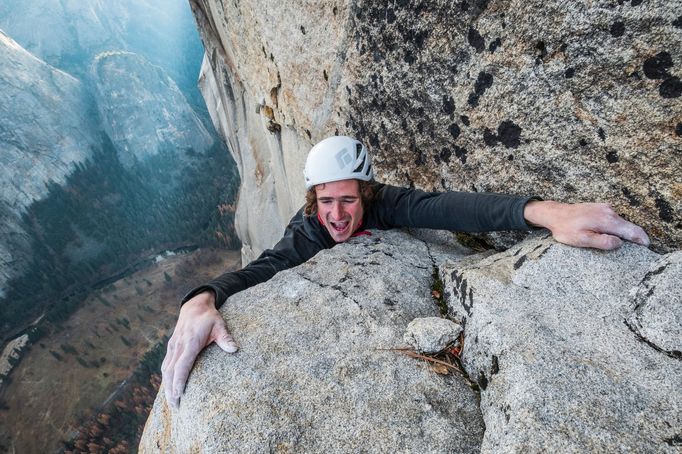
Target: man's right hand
{"type": "Point", "coordinates": [199, 324]}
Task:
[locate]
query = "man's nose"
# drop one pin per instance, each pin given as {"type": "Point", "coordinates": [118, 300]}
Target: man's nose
{"type": "Point", "coordinates": [337, 211]}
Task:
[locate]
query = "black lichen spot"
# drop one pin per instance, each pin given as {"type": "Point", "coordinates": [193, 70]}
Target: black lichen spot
{"type": "Point", "coordinates": [582, 142]}
{"type": "Point", "coordinates": [678, 129]}
{"type": "Point", "coordinates": [495, 368]}
{"type": "Point", "coordinates": [445, 155]}
{"type": "Point", "coordinates": [636, 2]}
{"type": "Point", "coordinates": [678, 22]}
{"type": "Point", "coordinates": [420, 38]}
{"type": "Point", "coordinates": [272, 57]}
{"type": "Point", "coordinates": [325, 75]}
{"type": "Point", "coordinates": [483, 82]}
{"type": "Point", "coordinates": [465, 120]}
{"type": "Point", "coordinates": [448, 105]}
{"type": "Point", "coordinates": [476, 40]}
{"type": "Point", "coordinates": [612, 157]}
{"type": "Point", "coordinates": [307, 132]}
{"type": "Point", "coordinates": [510, 157]}
{"type": "Point", "coordinates": [454, 130]}
{"type": "Point", "coordinates": [563, 48]}
{"type": "Point", "coordinates": [670, 88]}
{"type": "Point", "coordinates": [335, 10]}
{"type": "Point", "coordinates": [570, 72]}
{"type": "Point", "coordinates": [665, 211]}
{"type": "Point", "coordinates": [617, 29]}
{"type": "Point", "coordinates": [601, 133]}
{"type": "Point", "coordinates": [656, 67]}
{"type": "Point", "coordinates": [489, 138]}
{"type": "Point", "coordinates": [461, 153]}
{"type": "Point", "coordinates": [492, 47]}
{"type": "Point", "coordinates": [302, 29]}
{"type": "Point", "coordinates": [541, 50]}
{"type": "Point", "coordinates": [632, 200]}
{"type": "Point", "coordinates": [509, 134]}
{"type": "Point", "coordinates": [390, 16]}
{"type": "Point", "coordinates": [348, 90]}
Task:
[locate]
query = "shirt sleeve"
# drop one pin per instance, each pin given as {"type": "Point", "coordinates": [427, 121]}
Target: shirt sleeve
{"type": "Point", "coordinates": [456, 211]}
{"type": "Point", "coordinates": [302, 240]}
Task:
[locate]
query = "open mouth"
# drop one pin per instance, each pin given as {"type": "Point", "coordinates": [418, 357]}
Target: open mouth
{"type": "Point", "coordinates": [339, 226]}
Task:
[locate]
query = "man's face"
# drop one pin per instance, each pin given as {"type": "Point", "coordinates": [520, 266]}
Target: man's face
{"type": "Point", "coordinates": [340, 207]}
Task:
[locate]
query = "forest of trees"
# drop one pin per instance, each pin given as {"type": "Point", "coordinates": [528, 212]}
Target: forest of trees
{"type": "Point", "coordinates": [106, 216]}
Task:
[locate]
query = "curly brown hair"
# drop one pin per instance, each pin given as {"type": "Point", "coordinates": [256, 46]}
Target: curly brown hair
{"type": "Point", "coordinates": [368, 193]}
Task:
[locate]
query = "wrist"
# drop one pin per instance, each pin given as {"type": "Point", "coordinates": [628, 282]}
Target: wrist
{"type": "Point", "coordinates": [540, 213]}
{"type": "Point", "coordinates": [200, 301]}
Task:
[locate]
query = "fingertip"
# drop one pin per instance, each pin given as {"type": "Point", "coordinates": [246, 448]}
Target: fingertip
{"type": "Point", "coordinates": [228, 346]}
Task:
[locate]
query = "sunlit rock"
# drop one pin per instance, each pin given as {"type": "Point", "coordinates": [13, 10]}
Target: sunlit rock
{"type": "Point", "coordinates": [570, 101]}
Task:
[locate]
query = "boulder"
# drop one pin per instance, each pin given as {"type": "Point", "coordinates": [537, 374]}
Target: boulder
{"type": "Point", "coordinates": [432, 334]}
{"type": "Point", "coordinates": [316, 371]}
{"type": "Point", "coordinates": [569, 101]}
{"type": "Point", "coordinates": [574, 350]}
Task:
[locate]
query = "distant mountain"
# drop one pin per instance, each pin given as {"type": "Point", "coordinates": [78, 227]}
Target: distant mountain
{"type": "Point", "coordinates": [142, 109]}
{"type": "Point", "coordinates": [46, 127]}
{"type": "Point", "coordinates": [68, 34]}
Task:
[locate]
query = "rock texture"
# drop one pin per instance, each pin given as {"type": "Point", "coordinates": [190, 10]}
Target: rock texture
{"type": "Point", "coordinates": [573, 101]}
{"type": "Point", "coordinates": [557, 339]}
{"type": "Point", "coordinates": [314, 373]}
{"type": "Point", "coordinates": [142, 109]}
{"type": "Point", "coordinates": [46, 127]}
{"type": "Point", "coordinates": [550, 339]}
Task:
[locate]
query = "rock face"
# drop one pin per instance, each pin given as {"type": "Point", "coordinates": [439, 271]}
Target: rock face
{"type": "Point", "coordinates": [314, 373]}
{"type": "Point", "coordinates": [142, 109]}
{"type": "Point", "coordinates": [567, 101]}
{"type": "Point", "coordinates": [46, 128]}
{"type": "Point", "coordinates": [551, 340]}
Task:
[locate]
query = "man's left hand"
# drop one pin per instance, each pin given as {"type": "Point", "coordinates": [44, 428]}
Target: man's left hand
{"type": "Point", "coordinates": [593, 225]}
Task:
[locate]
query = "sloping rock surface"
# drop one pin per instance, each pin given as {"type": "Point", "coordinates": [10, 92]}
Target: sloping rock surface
{"type": "Point", "coordinates": [549, 338]}
{"type": "Point", "coordinates": [143, 110]}
{"type": "Point", "coordinates": [313, 373]}
{"type": "Point", "coordinates": [576, 101]}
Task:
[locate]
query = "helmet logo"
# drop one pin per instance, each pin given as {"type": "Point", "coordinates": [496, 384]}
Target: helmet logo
{"type": "Point", "coordinates": [343, 158]}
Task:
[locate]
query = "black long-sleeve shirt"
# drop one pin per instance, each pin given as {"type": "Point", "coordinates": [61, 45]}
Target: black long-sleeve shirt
{"type": "Point", "coordinates": [393, 207]}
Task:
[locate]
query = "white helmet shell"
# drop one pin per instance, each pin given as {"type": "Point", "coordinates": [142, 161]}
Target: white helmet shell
{"type": "Point", "coordinates": [337, 158]}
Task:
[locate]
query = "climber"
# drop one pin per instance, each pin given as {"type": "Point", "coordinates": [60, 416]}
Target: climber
{"type": "Point", "coordinates": [342, 200]}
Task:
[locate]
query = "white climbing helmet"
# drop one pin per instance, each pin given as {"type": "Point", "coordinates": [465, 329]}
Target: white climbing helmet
{"type": "Point", "coordinates": [337, 158]}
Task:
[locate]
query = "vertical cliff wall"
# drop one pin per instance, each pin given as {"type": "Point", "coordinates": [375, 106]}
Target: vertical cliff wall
{"type": "Point", "coordinates": [574, 101]}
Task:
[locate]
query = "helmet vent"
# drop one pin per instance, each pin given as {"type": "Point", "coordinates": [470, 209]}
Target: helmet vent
{"type": "Point", "coordinates": [358, 150]}
{"type": "Point", "coordinates": [358, 169]}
